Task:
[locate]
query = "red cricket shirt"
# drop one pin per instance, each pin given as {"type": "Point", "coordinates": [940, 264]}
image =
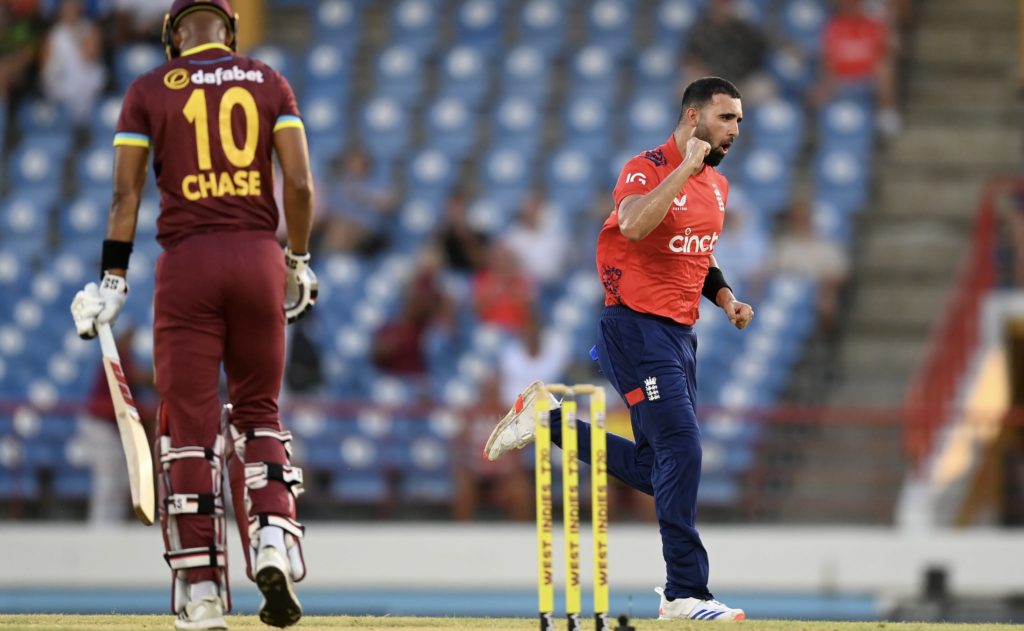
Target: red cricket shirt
{"type": "Point", "coordinates": [664, 272]}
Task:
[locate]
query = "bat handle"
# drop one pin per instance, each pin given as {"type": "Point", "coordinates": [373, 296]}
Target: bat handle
{"type": "Point", "coordinates": [107, 345]}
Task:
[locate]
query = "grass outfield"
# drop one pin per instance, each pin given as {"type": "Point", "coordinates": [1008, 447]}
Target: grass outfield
{"type": "Point", "coordinates": [317, 623]}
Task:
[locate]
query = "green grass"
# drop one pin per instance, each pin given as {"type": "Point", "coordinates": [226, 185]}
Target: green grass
{"type": "Point", "coordinates": [316, 623]}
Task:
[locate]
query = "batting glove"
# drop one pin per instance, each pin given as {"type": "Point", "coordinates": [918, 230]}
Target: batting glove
{"type": "Point", "coordinates": [98, 304]}
{"type": "Point", "coordinates": [301, 289]}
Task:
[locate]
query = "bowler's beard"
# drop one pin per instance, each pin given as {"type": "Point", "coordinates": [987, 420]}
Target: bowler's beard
{"type": "Point", "coordinates": [716, 155]}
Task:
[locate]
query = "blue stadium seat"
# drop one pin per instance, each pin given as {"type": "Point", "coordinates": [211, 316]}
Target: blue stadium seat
{"type": "Point", "coordinates": [649, 122]}
{"type": "Point", "coordinates": [104, 120]}
{"type": "Point", "coordinates": [94, 167]}
{"type": "Point", "coordinates": [847, 124]}
{"type": "Point", "coordinates": [791, 71]}
{"type": "Point", "coordinates": [507, 175]}
{"type": "Point", "coordinates": [526, 73]}
{"type": "Point", "coordinates": [610, 24]}
{"type": "Point", "coordinates": [766, 176]}
{"type": "Point", "coordinates": [133, 60]}
{"type": "Point", "coordinates": [655, 73]}
{"type": "Point", "coordinates": [399, 73]}
{"type": "Point", "coordinates": [17, 484]}
{"type": "Point", "coordinates": [276, 57]}
{"type": "Point", "coordinates": [778, 124]}
{"type": "Point", "coordinates": [587, 124]}
{"type": "Point", "coordinates": [24, 220]}
{"type": "Point", "coordinates": [417, 219]}
{"type": "Point", "coordinates": [542, 25]}
{"type": "Point", "coordinates": [571, 177]}
{"type": "Point", "coordinates": [428, 475]}
{"type": "Point", "coordinates": [39, 119]}
{"type": "Point", "coordinates": [72, 484]}
{"type": "Point", "coordinates": [594, 72]}
{"type": "Point", "coordinates": [673, 20]}
{"type": "Point", "coordinates": [84, 218]}
{"type": "Point", "coordinates": [431, 174]}
{"type": "Point", "coordinates": [841, 179]}
{"type": "Point", "coordinates": [451, 127]}
{"type": "Point", "coordinates": [832, 223]}
{"type": "Point", "coordinates": [324, 119]}
{"type": "Point", "coordinates": [517, 124]}
{"type": "Point", "coordinates": [802, 22]}
{"type": "Point", "coordinates": [38, 162]}
{"type": "Point", "coordinates": [478, 25]}
{"type": "Point", "coordinates": [338, 23]}
{"type": "Point", "coordinates": [465, 75]}
{"type": "Point", "coordinates": [414, 24]}
{"type": "Point", "coordinates": [328, 72]}
{"type": "Point", "coordinates": [384, 128]}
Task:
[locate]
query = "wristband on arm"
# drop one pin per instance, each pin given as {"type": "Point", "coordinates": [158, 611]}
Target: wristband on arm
{"type": "Point", "coordinates": [115, 255]}
{"type": "Point", "coordinates": [713, 282]}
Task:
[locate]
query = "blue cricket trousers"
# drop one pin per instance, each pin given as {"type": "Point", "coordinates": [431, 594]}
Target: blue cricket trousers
{"type": "Point", "coordinates": [651, 362]}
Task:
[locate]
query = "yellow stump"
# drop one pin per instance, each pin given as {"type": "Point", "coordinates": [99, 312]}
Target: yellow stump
{"type": "Point", "coordinates": [545, 548]}
{"type": "Point", "coordinates": [599, 506]}
{"type": "Point", "coordinates": [571, 510]}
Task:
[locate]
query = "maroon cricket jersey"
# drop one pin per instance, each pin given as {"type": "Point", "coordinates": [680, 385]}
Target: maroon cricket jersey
{"type": "Point", "coordinates": [209, 117]}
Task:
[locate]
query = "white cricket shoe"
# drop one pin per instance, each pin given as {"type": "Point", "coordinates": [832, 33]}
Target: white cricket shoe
{"type": "Point", "coordinates": [696, 609]}
{"type": "Point", "coordinates": [205, 613]}
{"type": "Point", "coordinates": [515, 430]}
{"type": "Point", "coordinates": [280, 607]}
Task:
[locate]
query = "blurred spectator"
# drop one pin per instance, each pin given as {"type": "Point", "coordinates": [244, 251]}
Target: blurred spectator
{"type": "Point", "coordinates": [539, 242]}
{"type": "Point", "coordinates": [356, 208]}
{"type": "Point", "coordinates": [18, 41]}
{"type": "Point", "coordinates": [398, 346]}
{"type": "Point", "coordinates": [137, 19]}
{"type": "Point", "coordinates": [857, 49]}
{"type": "Point", "coordinates": [95, 10]}
{"type": "Point", "coordinates": [71, 68]}
{"type": "Point", "coordinates": [503, 484]}
{"type": "Point", "coordinates": [801, 251]}
{"type": "Point", "coordinates": [725, 45]}
{"type": "Point", "coordinates": [110, 497]}
{"type": "Point", "coordinates": [503, 294]}
{"type": "Point", "coordinates": [531, 355]}
{"type": "Point", "coordinates": [464, 247]}
{"type": "Point", "coordinates": [743, 245]}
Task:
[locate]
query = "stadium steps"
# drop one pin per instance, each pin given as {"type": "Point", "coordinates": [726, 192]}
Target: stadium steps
{"type": "Point", "coordinates": [983, 13]}
{"type": "Point", "coordinates": [912, 239]}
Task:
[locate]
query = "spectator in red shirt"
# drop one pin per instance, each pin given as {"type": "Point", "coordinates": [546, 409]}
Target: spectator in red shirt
{"type": "Point", "coordinates": [857, 51]}
{"type": "Point", "coordinates": [398, 346]}
{"type": "Point", "coordinates": [502, 292]}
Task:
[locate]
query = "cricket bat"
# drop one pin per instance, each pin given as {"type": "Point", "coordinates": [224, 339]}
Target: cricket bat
{"type": "Point", "coordinates": [129, 425]}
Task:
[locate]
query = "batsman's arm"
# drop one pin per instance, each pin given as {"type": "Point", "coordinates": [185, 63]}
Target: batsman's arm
{"type": "Point", "coordinates": [129, 178]}
{"type": "Point", "coordinates": [293, 154]}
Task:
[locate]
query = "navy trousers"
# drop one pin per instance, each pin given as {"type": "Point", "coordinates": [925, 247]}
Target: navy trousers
{"type": "Point", "coordinates": [651, 362]}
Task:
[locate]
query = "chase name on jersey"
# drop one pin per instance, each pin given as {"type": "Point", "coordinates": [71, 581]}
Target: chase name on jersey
{"type": "Point", "coordinates": [221, 75]}
{"type": "Point", "coordinates": [689, 243]}
{"type": "Point", "coordinates": [212, 184]}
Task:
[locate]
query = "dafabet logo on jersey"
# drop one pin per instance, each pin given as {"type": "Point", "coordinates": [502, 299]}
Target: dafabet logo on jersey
{"type": "Point", "coordinates": [176, 78]}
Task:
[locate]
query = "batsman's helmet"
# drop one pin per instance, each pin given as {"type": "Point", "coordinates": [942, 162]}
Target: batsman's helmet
{"type": "Point", "coordinates": [181, 8]}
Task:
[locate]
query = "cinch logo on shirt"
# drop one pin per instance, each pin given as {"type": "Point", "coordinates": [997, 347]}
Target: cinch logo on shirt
{"type": "Point", "coordinates": [220, 75]}
{"type": "Point", "coordinates": [689, 243]}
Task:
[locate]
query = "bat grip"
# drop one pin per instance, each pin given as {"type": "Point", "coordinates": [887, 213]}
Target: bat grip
{"type": "Point", "coordinates": [107, 345]}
